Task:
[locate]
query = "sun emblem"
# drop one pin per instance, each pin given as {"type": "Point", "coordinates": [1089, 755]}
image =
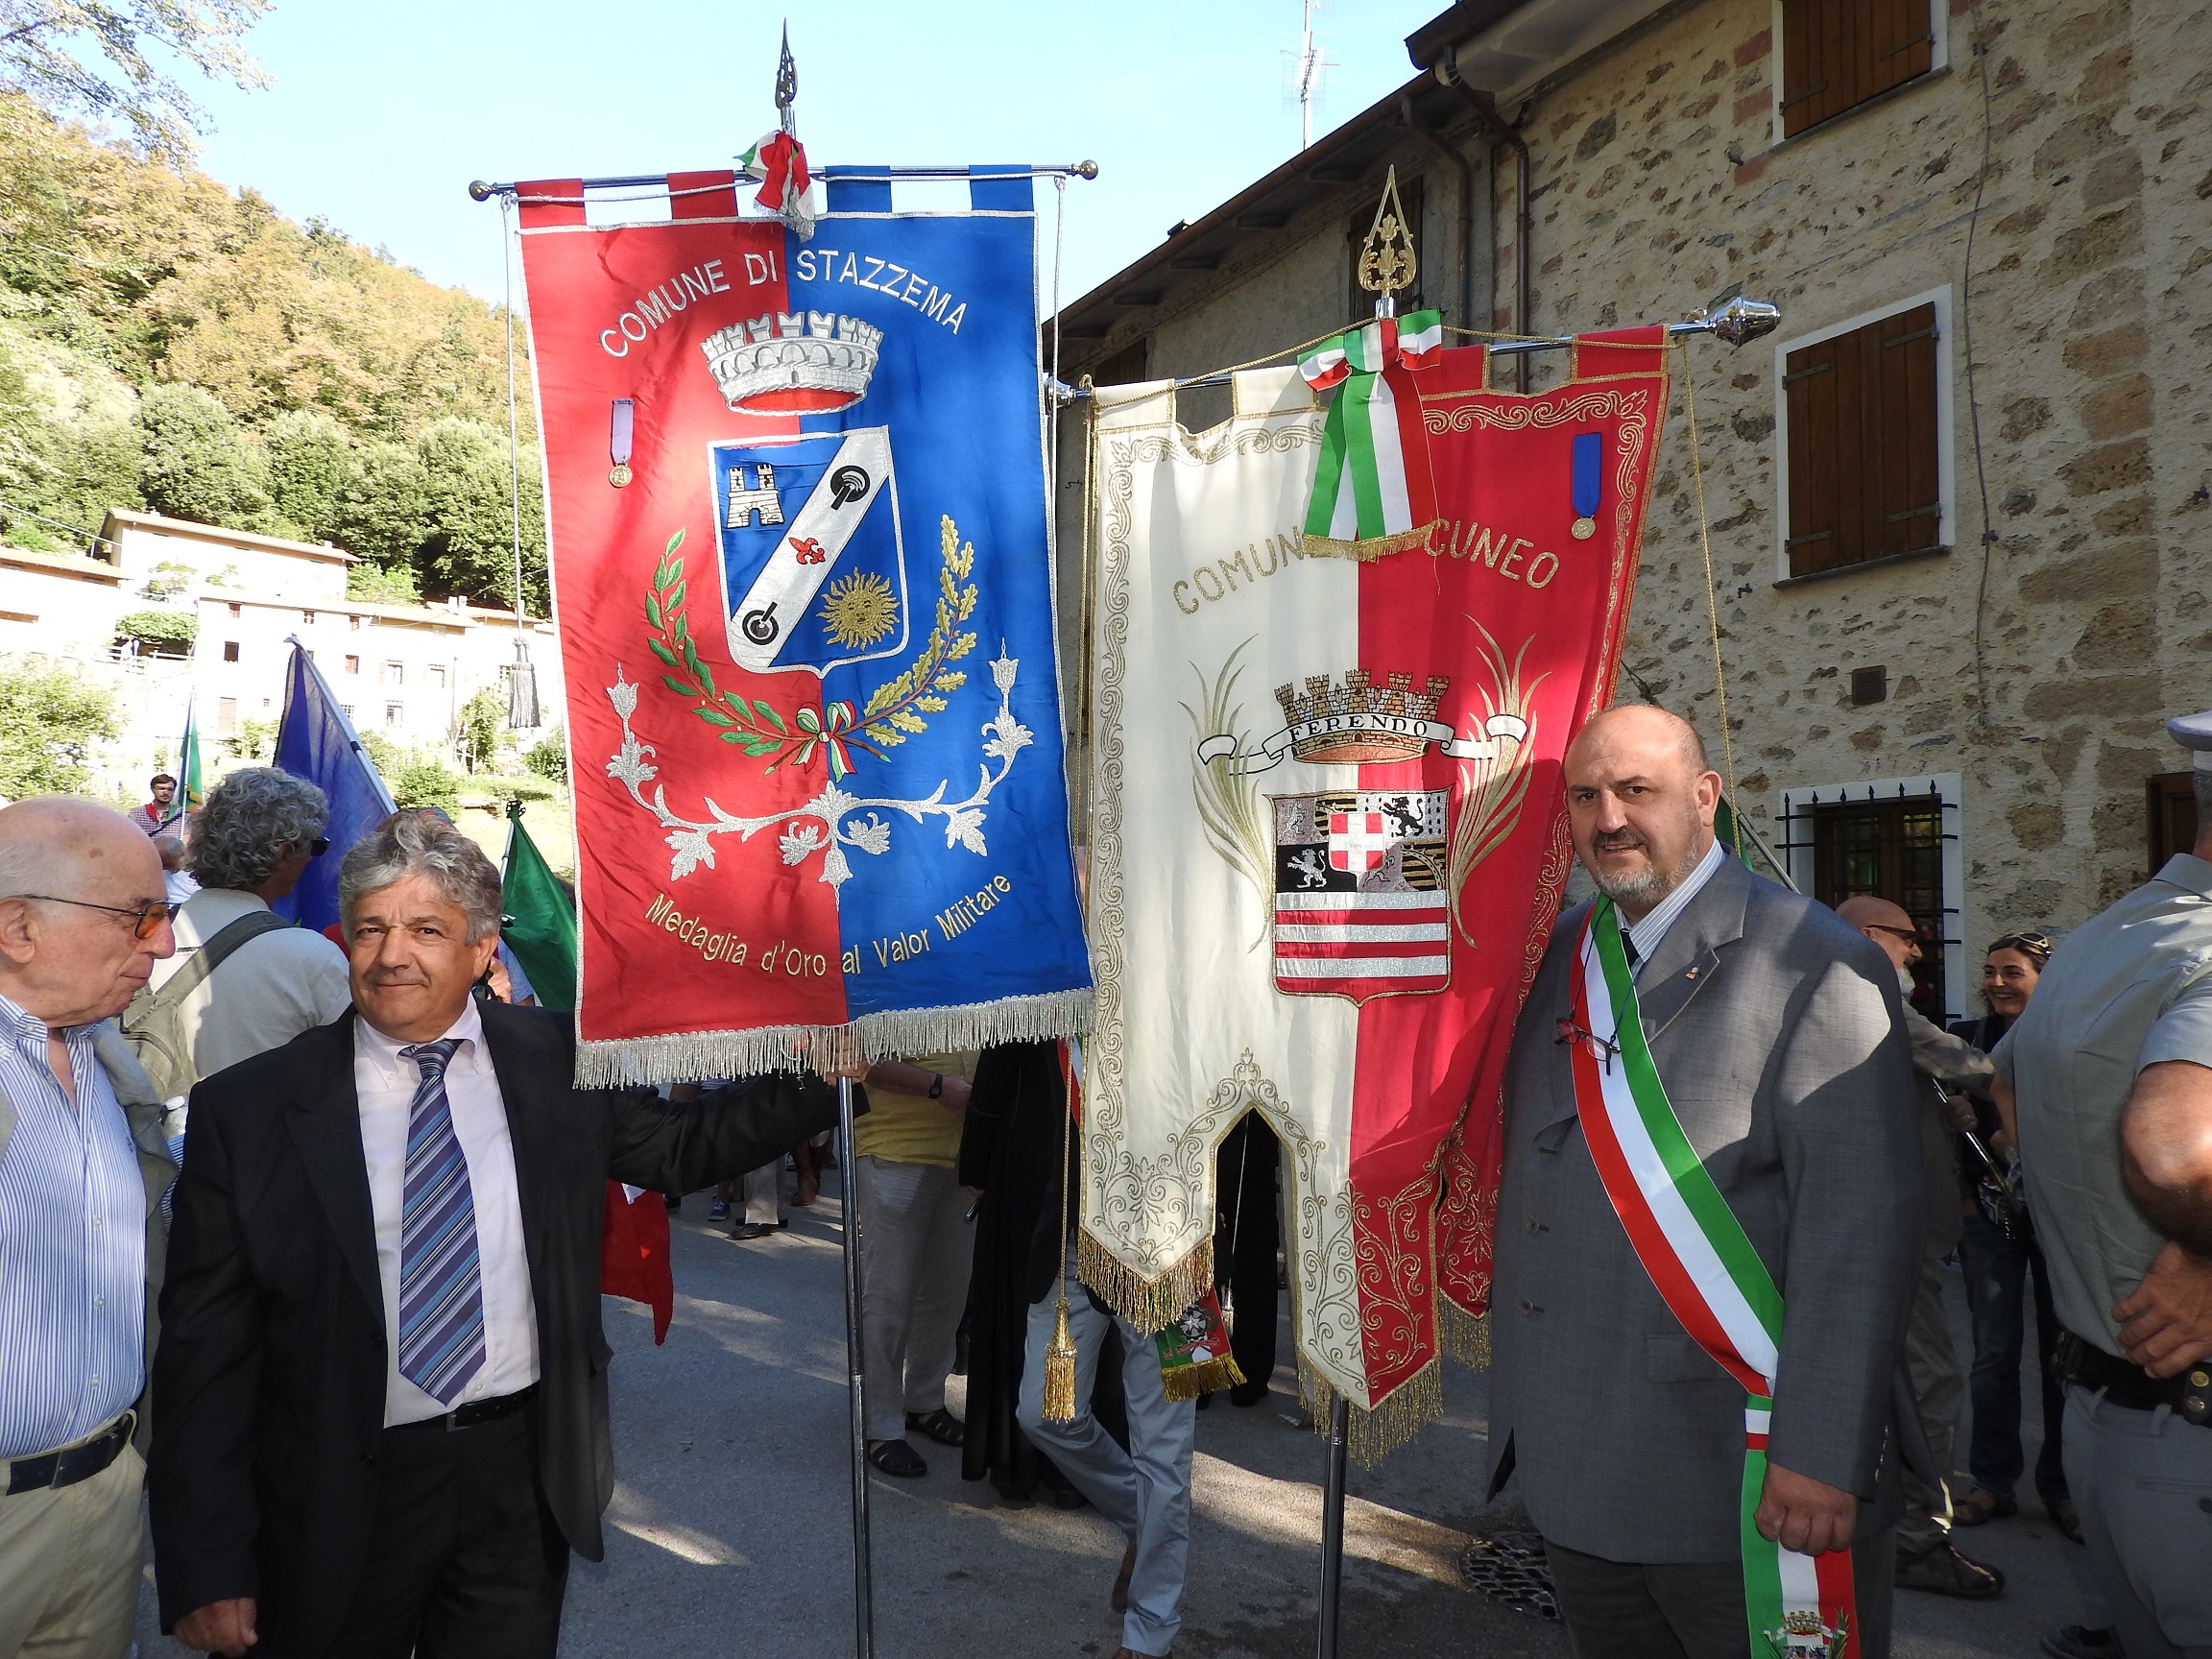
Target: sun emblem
{"type": "Point", "coordinates": [859, 610]}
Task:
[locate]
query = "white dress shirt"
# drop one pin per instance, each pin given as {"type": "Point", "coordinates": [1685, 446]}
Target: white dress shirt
{"type": "Point", "coordinates": [385, 1081]}
{"type": "Point", "coordinates": [1646, 934]}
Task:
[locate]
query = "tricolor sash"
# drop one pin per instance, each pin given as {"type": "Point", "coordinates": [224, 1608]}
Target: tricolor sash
{"type": "Point", "coordinates": [1702, 1264]}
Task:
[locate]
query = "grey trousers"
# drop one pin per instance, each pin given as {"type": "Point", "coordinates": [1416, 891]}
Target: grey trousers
{"type": "Point", "coordinates": [2143, 1483]}
{"type": "Point", "coordinates": [1145, 1491]}
{"type": "Point", "coordinates": [1694, 1610]}
{"type": "Point", "coordinates": [1939, 1390]}
{"type": "Point", "coordinates": [916, 1251]}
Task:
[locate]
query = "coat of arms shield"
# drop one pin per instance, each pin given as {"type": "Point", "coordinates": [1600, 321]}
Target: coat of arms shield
{"type": "Point", "coordinates": [1361, 905]}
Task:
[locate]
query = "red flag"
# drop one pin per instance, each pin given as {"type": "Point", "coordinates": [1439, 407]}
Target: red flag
{"type": "Point", "coordinates": [633, 1253]}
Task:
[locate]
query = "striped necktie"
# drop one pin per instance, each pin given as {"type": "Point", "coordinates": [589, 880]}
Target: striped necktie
{"type": "Point", "coordinates": [440, 1290]}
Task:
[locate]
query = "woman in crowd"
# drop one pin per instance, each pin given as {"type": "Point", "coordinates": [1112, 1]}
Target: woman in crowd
{"type": "Point", "coordinates": [1997, 1259]}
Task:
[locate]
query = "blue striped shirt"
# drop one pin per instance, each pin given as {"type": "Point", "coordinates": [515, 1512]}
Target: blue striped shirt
{"type": "Point", "coordinates": [1646, 934]}
{"type": "Point", "coordinates": [72, 1246]}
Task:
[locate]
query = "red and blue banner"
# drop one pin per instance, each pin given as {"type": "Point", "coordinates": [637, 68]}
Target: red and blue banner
{"type": "Point", "coordinates": [802, 580]}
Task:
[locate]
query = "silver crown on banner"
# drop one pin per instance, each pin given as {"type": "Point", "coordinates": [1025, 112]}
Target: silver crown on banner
{"type": "Point", "coordinates": [793, 362]}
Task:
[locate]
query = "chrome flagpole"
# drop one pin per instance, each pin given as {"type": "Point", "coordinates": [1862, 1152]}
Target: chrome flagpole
{"type": "Point", "coordinates": [863, 1602]}
{"type": "Point", "coordinates": [1333, 1525]}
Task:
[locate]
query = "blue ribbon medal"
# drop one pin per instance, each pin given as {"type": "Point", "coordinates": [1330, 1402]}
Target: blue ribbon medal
{"type": "Point", "coordinates": [1589, 461]}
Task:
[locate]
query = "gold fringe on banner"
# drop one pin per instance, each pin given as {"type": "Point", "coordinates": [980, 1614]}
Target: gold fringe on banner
{"type": "Point", "coordinates": [1464, 1335]}
{"type": "Point", "coordinates": [1188, 1382]}
{"type": "Point", "coordinates": [693, 1056]}
{"type": "Point", "coordinates": [1146, 1303]}
{"type": "Point", "coordinates": [1373, 1435]}
{"type": "Point", "coordinates": [1369, 551]}
{"type": "Point", "coordinates": [1060, 1368]}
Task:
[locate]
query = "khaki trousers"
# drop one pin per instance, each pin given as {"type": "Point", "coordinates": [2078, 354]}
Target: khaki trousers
{"type": "Point", "coordinates": [69, 1566]}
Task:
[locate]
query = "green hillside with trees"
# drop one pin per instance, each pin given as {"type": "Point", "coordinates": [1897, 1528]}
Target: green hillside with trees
{"type": "Point", "coordinates": [167, 344]}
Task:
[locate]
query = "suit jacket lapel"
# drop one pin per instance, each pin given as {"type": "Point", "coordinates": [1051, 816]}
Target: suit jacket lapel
{"type": "Point", "coordinates": [1688, 958]}
{"type": "Point", "coordinates": [326, 1124]}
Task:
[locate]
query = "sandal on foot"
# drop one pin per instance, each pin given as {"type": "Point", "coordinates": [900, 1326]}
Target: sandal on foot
{"type": "Point", "coordinates": [2065, 1517]}
{"type": "Point", "coordinates": [1978, 1507]}
{"type": "Point", "coordinates": [939, 1425]}
{"type": "Point", "coordinates": [898, 1458]}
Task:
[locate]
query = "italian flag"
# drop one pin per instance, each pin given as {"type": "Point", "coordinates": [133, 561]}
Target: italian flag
{"type": "Point", "coordinates": [1373, 491]}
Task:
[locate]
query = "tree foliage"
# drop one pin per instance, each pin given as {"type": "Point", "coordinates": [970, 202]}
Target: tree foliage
{"type": "Point", "coordinates": [477, 729]}
{"type": "Point", "coordinates": [49, 720]}
{"type": "Point", "coordinates": [43, 55]}
{"type": "Point", "coordinates": [165, 344]}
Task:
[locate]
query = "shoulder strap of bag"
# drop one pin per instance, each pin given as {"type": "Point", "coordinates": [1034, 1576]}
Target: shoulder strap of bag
{"type": "Point", "coordinates": [217, 950]}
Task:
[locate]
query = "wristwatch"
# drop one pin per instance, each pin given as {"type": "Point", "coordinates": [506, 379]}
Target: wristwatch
{"type": "Point", "coordinates": [936, 1084]}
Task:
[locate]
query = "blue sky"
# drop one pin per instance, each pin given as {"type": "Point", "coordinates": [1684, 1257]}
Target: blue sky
{"type": "Point", "coordinates": [381, 114]}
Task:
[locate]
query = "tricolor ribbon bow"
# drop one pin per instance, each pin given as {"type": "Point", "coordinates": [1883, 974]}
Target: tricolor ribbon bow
{"type": "Point", "coordinates": [780, 163]}
{"type": "Point", "coordinates": [829, 731]}
{"type": "Point", "coordinates": [1373, 491]}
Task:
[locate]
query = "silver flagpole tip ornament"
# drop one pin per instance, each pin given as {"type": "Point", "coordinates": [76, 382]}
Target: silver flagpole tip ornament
{"type": "Point", "coordinates": [1736, 320]}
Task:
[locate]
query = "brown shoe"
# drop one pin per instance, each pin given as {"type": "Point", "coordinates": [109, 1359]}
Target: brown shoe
{"type": "Point", "coordinates": [1947, 1571]}
{"type": "Point", "coordinates": [1120, 1596]}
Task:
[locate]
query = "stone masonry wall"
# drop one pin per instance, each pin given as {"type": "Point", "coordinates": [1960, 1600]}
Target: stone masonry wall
{"type": "Point", "coordinates": [1657, 186]}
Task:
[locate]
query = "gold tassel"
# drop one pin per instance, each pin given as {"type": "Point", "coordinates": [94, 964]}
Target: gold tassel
{"type": "Point", "coordinates": [1465, 1335]}
{"type": "Point", "coordinates": [1372, 1435]}
{"type": "Point", "coordinates": [1188, 1382]}
{"type": "Point", "coordinates": [1148, 1303]}
{"type": "Point", "coordinates": [1060, 1369]}
{"type": "Point", "coordinates": [1373, 548]}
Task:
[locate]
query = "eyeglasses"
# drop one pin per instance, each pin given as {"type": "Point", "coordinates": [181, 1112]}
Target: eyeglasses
{"type": "Point", "coordinates": [1911, 933]}
{"type": "Point", "coordinates": [315, 848]}
{"type": "Point", "coordinates": [149, 916]}
{"type": "Point", "coordinates": [2036, 946]}
{"type": "Point", "coordinates": [1599, 1049]}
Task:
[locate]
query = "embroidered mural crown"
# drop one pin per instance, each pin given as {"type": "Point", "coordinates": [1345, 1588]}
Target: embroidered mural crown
{"type": "Point", "coordinates": [1359, 716]}
{"type": "Point", "coordinates": [793, 362]}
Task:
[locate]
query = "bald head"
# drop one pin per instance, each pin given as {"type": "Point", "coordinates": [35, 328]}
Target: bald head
{"type": "Point", "coordinates": [73, 878]}
{"type": "Point", "coordinates": [1890, 926]}
{"type": "Point", "coordinates": [1640, 803]}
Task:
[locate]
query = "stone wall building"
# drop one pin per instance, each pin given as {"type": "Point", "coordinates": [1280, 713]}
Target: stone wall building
{"type": "Point", "coordinates": [1960, 504]}
{"type": "Point", "coordinates": [403, 671]}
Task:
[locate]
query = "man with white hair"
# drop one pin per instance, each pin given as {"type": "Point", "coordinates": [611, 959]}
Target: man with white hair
{"type": "Point", "coordinates": [83, 1168]}
{"type": "Point", "coordinates": [244, 980]}
{"type": "Point", "coordinates": [383, 1376]}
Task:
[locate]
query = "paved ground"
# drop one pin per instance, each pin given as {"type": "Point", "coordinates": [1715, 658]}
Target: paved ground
{"type": "Point", "coordinates": [730, 1531]}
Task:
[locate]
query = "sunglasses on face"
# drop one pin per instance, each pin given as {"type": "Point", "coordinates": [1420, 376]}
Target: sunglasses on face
{"type": "Point", "coordinates": [315, 848]}
{"type": "Point", "coordinates": [147, 918]}
{"type": "Point", "coordinates": [1901, 932]}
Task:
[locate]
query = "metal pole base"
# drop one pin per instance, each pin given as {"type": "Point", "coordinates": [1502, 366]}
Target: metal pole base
{"type": "Point", "coordinates": [1333, 1527]}
{"type": "Point", "coordinates": [863, 1607]}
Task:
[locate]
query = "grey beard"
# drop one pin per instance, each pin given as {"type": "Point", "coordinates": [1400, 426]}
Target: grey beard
{"type": "Point", "coordinates": [1648, 888]}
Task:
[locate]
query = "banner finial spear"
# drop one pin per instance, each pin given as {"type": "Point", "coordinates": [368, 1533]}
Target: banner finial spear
{"type": "Point", "coordinates": [786, 80]}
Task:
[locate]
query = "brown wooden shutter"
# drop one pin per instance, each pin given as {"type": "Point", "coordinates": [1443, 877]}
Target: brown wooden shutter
{"type": "Point", "coordinates": [1836, 54]}
{"type": "Point", "coordinates": [1862, 445]}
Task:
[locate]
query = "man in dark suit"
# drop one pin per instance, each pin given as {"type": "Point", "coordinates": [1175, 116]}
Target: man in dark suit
{"type": "Point", "coordinates": [382, 1372]}
{"type": "Point", "coordinates": [1774, 1028]}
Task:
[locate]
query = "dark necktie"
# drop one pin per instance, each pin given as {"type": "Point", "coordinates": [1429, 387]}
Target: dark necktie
{"type": "Point", "coordinates": [440, 1278]}
{"type": "Point", "coordinates": [1628, 945]}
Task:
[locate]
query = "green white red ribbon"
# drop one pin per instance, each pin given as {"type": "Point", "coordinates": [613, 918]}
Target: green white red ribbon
{"type": "Point", "coordinates": [1704, 1267]}
{"type": "Point", "coordinates": [1372, 492]}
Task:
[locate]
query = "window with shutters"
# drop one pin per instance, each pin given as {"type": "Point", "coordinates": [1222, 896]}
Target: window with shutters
{"type": "Point", "coordinates": [1836, 54]}
{"type": "Point", "coordinates": [1865, 417]}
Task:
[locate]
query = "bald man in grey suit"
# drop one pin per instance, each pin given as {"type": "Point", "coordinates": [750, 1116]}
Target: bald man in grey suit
{"type": "Point", "coordinates": [1774, 1028]}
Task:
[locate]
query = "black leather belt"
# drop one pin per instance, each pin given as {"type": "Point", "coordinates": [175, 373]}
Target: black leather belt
{"type": "Point", "coordinates": [2188, 1396]}
{"type": "Point", "coordinates": [476, 1412]}
{"type": "Point", "coordinates": [72, 1463]}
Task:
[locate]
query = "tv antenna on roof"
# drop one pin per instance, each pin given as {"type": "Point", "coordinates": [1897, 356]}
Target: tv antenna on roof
{"type": "Point", "coordinates": [1304, 73]}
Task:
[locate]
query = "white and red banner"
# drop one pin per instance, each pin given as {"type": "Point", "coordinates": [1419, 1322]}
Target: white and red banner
{"type": "Point", "coordinates": [1327, 837]}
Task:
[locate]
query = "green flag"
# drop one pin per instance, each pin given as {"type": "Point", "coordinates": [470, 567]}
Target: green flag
{"type": "Point", "coordinates": [191, 792]}
{"type": "Point", "coordinates": [1741, 839]}
{"type": "Point", "coordinates": [540, 923]}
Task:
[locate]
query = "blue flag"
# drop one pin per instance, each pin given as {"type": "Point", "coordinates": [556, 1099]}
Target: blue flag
{"type": "Point", "coordinates": [317, 742]}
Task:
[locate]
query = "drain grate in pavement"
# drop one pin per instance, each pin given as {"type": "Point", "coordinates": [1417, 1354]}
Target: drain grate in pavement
{"type": "Point", "coordinates": [1509, 1567]}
